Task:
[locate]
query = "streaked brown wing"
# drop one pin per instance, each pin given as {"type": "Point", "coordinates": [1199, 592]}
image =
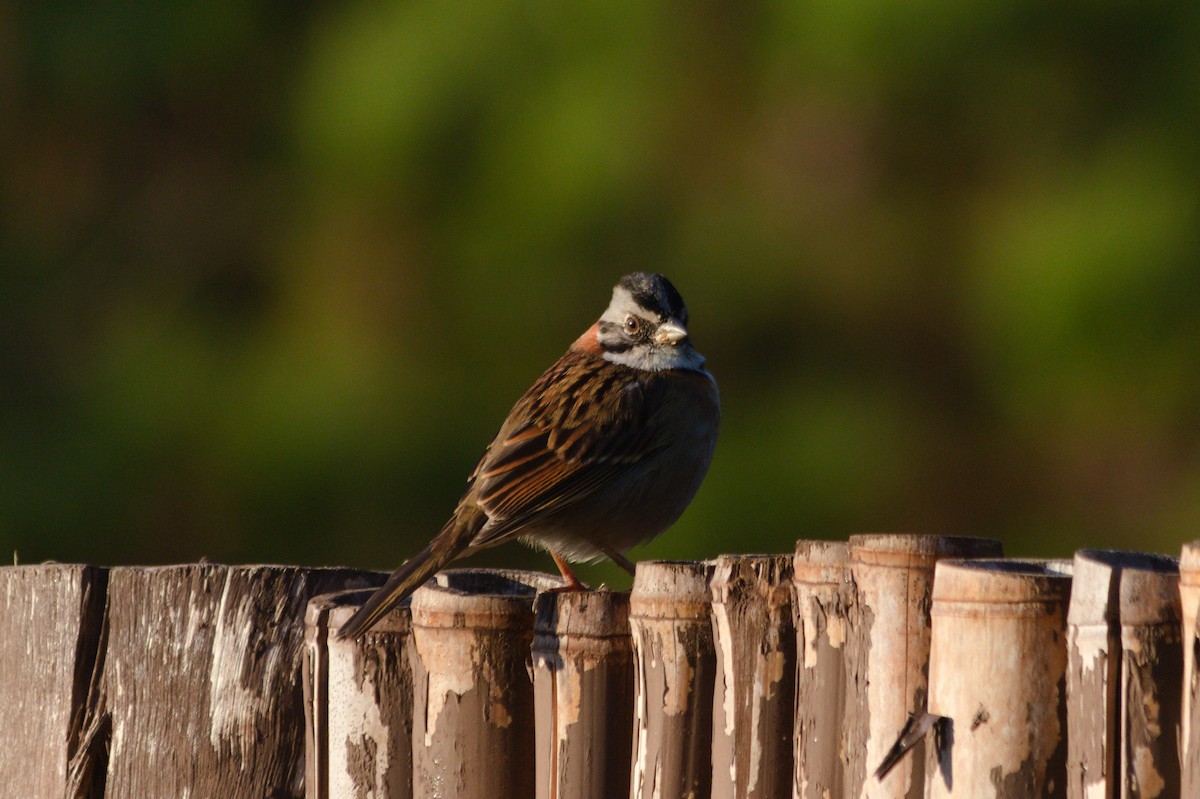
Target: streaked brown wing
{"type": "Point", "coordinates": [583, 423]}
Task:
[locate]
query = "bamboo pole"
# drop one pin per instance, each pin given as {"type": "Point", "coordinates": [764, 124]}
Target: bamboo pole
{"type": "Point", "coordinates": [997, 676]}
{"type": "Point", "coordinates": [823, 595]}
{"type": "Point", "coordinates": [583, 694]}
{"type": "Point", "coordinates": [754, 700]}
{"type": "Point", "coordinates": [1151, 679]}
{"type": "Point", "coordinates": [1189, 593]}
{"type": "Point", "coordinates": [472, 692]}
{"type": "Point", "coordinates": [51, 617]}
{"type": "Point", "coordinates": [202, 678]}
{"type": "Point", "coordinates": [362, 692]}
{"type": "Point", "coordinates": [888, 652]}
{"type": "Point", "coordinates": [675, 669]}
{"type": "Point", "coordinates": [1125, 671]}
{"type": "Point", "coordinates": [1093, 678]}
{"type": "Point", "coordinates": [314, 676]}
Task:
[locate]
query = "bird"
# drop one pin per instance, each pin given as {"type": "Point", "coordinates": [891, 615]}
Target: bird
{"type": "Point", "coordinates": [603, 452]}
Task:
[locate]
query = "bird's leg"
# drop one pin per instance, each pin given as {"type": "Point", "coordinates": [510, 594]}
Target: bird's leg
{"type": "Point", "coordinates": [572, 582]}
{"type": "Point", "coordinates": [619, 559]}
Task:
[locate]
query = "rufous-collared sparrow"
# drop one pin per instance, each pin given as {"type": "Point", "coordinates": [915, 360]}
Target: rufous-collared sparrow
{"type": "Point", "coordinates": [603, 452]}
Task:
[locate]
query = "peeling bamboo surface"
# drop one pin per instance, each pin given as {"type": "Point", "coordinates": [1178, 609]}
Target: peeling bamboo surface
{"type": "Point", "coordinates": [202, 678]}
{"type": "Point", "coordinates": [822, 599]}
{"type": "Point", "coordinates": [187, 681]}
{"type": "Point", "coordinates": [50, 636]}
{"type": "Point", "coordinates": [675, 672]}
{"type": "Point", "coordinates": [583, 694]}
{"type": "Point", "coordinates": [888, 652]}
{"type": "Point", "coordinates": [1189, 593]}
{"type": "Point", "coordinates": [754, 699]}
{"type": "Point", "coordinates": [1125, 672]}
{"type": "Point", "coordinates": [361, 742]}
{"type": "Point", "coordinates": [314, 675]}
{"type": "Point", "coordinates": [997, 674]}
{"type": "Point", "coordinates": [1093, 679]}
{"type": "Point", "coordinates": [473, 733]}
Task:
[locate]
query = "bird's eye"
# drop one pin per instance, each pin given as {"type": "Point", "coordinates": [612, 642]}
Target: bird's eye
{"type": "Point", "coordinates": [632, 325]}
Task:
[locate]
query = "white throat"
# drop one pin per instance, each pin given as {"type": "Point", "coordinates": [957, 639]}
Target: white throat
{"type": "Point", "coordinates": [659, 359]}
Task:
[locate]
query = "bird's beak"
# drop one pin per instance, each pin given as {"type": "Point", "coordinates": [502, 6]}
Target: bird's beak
{"type": "Point", "coordinates": [671, 332]}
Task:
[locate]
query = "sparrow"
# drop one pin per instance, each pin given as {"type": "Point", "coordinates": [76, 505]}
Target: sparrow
{"type": "Point", "coordinates": [603, 452]}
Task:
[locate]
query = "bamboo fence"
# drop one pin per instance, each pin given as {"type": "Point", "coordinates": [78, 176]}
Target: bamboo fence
{"type": "Point", "coordinates": [895, 666]}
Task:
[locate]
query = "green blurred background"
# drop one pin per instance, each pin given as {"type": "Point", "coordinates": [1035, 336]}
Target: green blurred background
{"type": "Point", "coordinates": [274, 272]}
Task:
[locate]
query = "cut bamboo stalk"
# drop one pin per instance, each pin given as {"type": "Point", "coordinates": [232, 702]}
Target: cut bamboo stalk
{"type": "Point", "coordinates": [583, 694]}
{"type": "Point", "coordinates": [1189, 593]}
{"type": "Point", "coordinates": [472, 691]}
{"type": "Point", "coordinates": [362, 743]}
{"type": "Point", "coordinates": [888, 652]}
{"type": "Point", "coordinates": [675, 670]}
{"type": "Point", "coordinates": [1125, 671]}
{"type": "Point", "coordinates": [1093, 677]}
{"type": "Point", "coordinates": [823, 595]}
{"type": "Point", "coordinates": [51, 616]}
{"type": "Point", "coordinates": [1151, 679]}
{"type": "Point", "coordinates": [314, 676]}
{"type": "Point", "coordinates": [997, 679]}
{"type": "Point", "coordinates": [754, 700]}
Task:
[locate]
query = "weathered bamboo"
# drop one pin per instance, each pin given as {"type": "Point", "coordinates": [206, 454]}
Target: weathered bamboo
{"type": "Point", "coordinates": [472, 693]}
{"type": "Point", "coordinates": [754, 700]}
{"type": "Point", "coordinates": [997, 676]}
{"type": "Point", "coordinates": [202, 678]}
{"type": "Point", "coordinates": [675, 670]}
{"type": "Point", "coordinates": [186, 681]}
{"type": "Point", "coordinates": [1189, 593]}
{"type": "Point", "coordinates": [1124, 675]}
{"type": "Point", "coordinates": [362, 741]}
{"type": "Point", "coordinates": [50, 636]}
{"type": "Point", "coordinates": [314, 676]}
{"type": "Point", "coordinates": [888, 652]}
{"type": "Point", "coordinates": [583, 694]}
{"type": "Point", "coordinates": [1093, 677]}
{"type": "Point", "coordinates": [1151, 679]}
{"type": "Point", "coordinates": [822, 598]}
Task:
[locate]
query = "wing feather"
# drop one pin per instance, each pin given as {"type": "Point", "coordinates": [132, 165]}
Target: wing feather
{"type": "Point", "coordinates": [579, 427]}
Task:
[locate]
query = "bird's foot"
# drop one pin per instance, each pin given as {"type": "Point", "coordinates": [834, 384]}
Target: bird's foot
{"type": "Point", "coordinates": [571, 581]}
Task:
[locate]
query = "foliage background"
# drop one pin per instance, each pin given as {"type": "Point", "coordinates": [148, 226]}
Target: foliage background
{"type": "Point", "coordinates": [274, 272]}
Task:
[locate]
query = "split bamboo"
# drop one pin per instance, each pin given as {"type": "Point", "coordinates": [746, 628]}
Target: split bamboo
{"type": "Point", "coordinates": [1189, 593]}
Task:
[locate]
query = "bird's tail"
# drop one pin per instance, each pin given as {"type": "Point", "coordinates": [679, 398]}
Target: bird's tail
{"type": "Point", "coordinates": [411, 575]}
